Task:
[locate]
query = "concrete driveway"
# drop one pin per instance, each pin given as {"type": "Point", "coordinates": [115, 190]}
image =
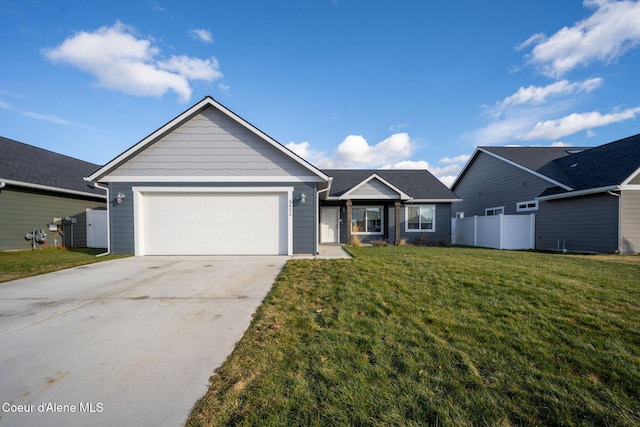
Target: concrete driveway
{"type": "Point", "coordinates": [124, 342]}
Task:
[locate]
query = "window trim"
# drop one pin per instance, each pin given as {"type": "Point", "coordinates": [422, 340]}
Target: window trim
{"type": "Point", "coordinates": [419, 230]}
{"type": "Point", "coordinates": [495, 208]}
{"type": "Point", "coordinates": [368, 233]}
{"type": "Point", "coordinates": [527, 208]}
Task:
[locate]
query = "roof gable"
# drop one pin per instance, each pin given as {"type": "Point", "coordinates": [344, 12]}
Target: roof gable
{"type": "Point", "coordinates": [374, 187]}
{"type": "Point", "coordinates": [538, 161]}
{"type": "Point", "coordinates": [25, 165]}
{"type": "Point", "coordinates": [208, 143]}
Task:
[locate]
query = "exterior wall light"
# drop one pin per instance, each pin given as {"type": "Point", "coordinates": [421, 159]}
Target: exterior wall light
{"type": "Point", "coordinates": [120, 197]}
{"type": "Point", "coordinates": [303, 198]}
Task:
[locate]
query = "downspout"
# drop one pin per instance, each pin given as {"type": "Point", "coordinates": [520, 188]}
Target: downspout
{"type": "Point", "coordinates": [318, 218]}
{"type": "Point", "coordinates": [619, 219]}
{"type": "Point", "coordinates": [95, 184]}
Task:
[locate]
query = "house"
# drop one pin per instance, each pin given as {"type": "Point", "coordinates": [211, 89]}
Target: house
{"type": "Point", "coordinates": [384, 204]}
{"type": "Point", "coordinates": [39, 189]}
{"type": "Point", "coordinates": [210, 183]}
{"type": "Point", "coordinates": [585, 199]}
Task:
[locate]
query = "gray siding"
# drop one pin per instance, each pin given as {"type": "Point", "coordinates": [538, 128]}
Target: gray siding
{"type": "Point", "coordinates": [586, 224]}
{"type": "Point", "coordinates": [211, 144]}
{"type": "Point", "coordinates": [489, 182]}
{"type": "Point", "coordinates": [374, 189]}
{"type": "Point", "coordinates": [635, 180]}
{"type": "Point", "coordinates": [442, 233]}
{"type": "Point", "coordinates": [22, 210]}
{"type": "Point", "coordinates": [630, 221]}
{"type": "Point", "coordinates": [122, 215]}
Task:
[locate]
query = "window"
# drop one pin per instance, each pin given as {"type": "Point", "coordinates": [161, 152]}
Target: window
{"type": "Point", "coordinates": [494, 211]}
{"type": "Point", "coordinates": [420, 218]}
{"type": "Point", "coordinates": [531, 205]}
{"type": "Point", "coordinates": [366, 220]}
{"type": "Point", "coordinates": [459, 215]}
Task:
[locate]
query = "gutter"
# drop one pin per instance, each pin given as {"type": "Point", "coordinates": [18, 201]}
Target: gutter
{"type": "Point", "coordinates": [95, 184]}
{"type": "Point", "coordinates": [4, 182]}
{"type": "Point", "coordinates": [580, 193]}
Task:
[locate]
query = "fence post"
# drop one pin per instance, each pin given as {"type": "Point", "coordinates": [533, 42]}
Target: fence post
{"type": "Point", "coordinates": [532, 227]}
{"type": "Point", "coordinates": [475, 230]}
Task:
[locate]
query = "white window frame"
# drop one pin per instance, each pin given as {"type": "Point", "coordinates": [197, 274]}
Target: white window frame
{"type": "Point", "coordinates": [527, 206]}
{"type": "Point", "coordinates": [494, 209]}
{"type": "Point", "coordinates": [419, 230]}
{"type": "Point", "coordinates": [368, 233]}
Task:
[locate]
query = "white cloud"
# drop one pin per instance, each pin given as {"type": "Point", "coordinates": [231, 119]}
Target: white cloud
{"type": "Point", "coordinates": [202, 35]}
{"type": "Point", "coordinates": [536, 95]}
{"type": "Point", "coordinates": [355, 151]}
{"type": "Point", "coordinates": [392, 153]}
{"type": "Point", "coordinates": [552, 129]}
{"type": "Point", "coordinates": [536, 38]}
{"type": "Point", "coordinates": [399, 126]}
{"type": "Point", "coordinates": [42, 117]}
{"type": "Point", "coordinates": [517, 114]}
{"type": "Point", "coordinates": [193, 68]}
{"type": "Point", "coordinates": [120, 61]}
{"type": "Point", "coordinates": [457, 159]}
{"type": "Point", "coordinates": [612, 30]}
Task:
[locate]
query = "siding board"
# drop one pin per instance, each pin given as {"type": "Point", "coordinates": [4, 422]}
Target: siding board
{"type": "Point", "coordinates": [630, 221]}
{"type": "Point", "coordinates": [489, 182]}
{"type": "Point", "coordinates": [211, 144]}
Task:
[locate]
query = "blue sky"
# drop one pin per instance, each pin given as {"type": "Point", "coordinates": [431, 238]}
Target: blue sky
{"type": "Point", "coordinates": [344, 83]}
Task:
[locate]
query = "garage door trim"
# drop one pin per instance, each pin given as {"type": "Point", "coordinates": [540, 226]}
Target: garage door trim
{"type": "Point", "coordinates": [138, 206]}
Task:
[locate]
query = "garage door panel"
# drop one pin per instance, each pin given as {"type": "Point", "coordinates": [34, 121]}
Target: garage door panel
{"type": "Point", "coordinates": [214, 223]}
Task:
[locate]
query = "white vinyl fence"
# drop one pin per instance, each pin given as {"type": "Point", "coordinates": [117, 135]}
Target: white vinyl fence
{"type": "Point", "coordinates": [498, 231]}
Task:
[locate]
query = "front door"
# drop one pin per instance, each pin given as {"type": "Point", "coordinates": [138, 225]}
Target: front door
{"type": "Point", "coordinates": [330, 225]}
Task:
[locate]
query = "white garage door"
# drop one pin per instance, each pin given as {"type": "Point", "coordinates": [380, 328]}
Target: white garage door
{"type": "Point", "coordinates": [213, 223]}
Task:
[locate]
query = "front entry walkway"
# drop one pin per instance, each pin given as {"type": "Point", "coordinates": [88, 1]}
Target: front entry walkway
{"type": "Point", "coordinates": [326, 252]}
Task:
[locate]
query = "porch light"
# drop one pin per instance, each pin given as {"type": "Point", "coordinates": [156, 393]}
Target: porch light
{"type": "Point", "coordinates": [120, 197]}
{"type": "Point", "coordinates": [303, 198]}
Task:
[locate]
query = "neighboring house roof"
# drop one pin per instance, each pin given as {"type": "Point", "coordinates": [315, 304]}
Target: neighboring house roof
{"type": "Point", "coordinates": [572, 170]}
{"type": "Point", "coordinates": [606, 165]}
{"type": "Point", "coordinates": [206, 102]}
{"type": "Point", "coordinates": [28, 166]}
{"type": "Point", "coordinates": [416, 184]}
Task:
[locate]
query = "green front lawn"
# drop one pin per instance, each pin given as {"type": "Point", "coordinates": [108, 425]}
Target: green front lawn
{"type": "Point", "coordinates": [438, 336]}
{"type": "Point", "coordinates": [19, 264]}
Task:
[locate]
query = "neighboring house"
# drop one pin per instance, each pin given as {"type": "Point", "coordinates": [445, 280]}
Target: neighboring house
{"type": "Point", "coordinates": [585, 199]}
{"type": "Point", "coordinates": [210, 183]}
{"type": "Point", "coordinates": [385, 204]}
{"type": "Point", "coordinates": [39, 188]}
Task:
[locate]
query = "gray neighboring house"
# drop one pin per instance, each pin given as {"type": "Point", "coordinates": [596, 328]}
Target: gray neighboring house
{"type": "Point", "coordinates": [586, 199]}
{"type": "Point", "coordinates": [38, 188]}
{"type": "Point", "coordinates": [210, 183]}
{"type": "Point", "coordinates": [385, 204]}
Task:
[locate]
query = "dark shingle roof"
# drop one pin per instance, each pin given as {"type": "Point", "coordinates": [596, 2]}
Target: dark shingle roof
{"type": "Point", "coordinates": [33, 165]}
{"type": "Point", "coordinates": [580, 168]}
{"type": "Point", "coordinates": [603, 166]}
{"type": "Point", "coordinates": [416, 183]}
